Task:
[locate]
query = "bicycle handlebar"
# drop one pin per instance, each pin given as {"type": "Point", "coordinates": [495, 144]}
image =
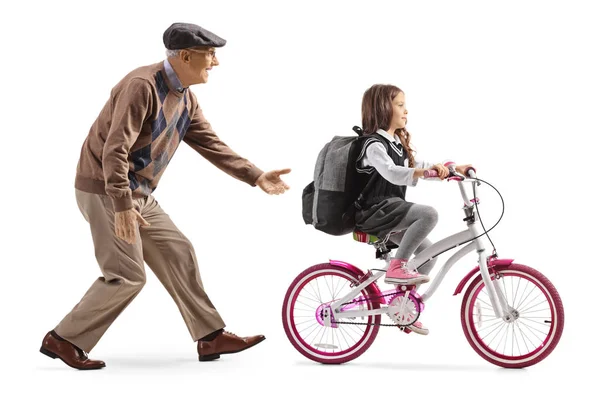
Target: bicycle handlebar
{"type": "Point", "coordinates": [432, 173]}
{"type": "Point", "coordinates": [454, 176]}
{"type": "Point", "coordinates": [471, 172]}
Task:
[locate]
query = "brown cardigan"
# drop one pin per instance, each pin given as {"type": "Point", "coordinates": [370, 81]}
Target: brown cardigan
{"type": "Point", "coordinates": [138, 131]}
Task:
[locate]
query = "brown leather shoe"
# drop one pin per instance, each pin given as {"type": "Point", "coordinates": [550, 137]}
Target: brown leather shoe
{"type": "Point", "coordinates": [56, 347]}
{"type": "Point", "coordinates": [225, 343]}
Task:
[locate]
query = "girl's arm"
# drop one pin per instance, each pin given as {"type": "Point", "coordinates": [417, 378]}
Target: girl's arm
{"type": "Point", "coordinates": [377, 157]}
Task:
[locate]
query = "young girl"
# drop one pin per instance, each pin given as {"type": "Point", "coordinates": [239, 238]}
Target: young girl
{"type": "Point", "coordinates": [385, 211]}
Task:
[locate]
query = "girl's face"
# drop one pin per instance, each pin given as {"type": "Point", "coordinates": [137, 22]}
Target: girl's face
{"type": "Point", "coordinates": [399, 113]}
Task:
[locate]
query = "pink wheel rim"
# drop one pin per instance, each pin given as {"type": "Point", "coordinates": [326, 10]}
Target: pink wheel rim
{"type": "Point", "coordinates": [297, 333]}
{"type": "Point", "coordinates": [529, 306]}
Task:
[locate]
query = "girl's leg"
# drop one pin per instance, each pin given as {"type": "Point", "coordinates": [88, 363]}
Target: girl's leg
{"type": "Point", "coordinates": [397, 238]}
{"type": "Point", "coordinates": [415, 226]}
{"type": "Point", "coordinates": [426, 268]}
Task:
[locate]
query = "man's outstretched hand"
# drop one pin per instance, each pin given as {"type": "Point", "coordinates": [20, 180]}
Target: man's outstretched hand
{"type": "Point", "coordinates": [271, 183]}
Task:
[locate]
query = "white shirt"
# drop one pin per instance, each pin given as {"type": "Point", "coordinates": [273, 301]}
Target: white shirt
{"type": "Point", "coordinates": [377, 157]}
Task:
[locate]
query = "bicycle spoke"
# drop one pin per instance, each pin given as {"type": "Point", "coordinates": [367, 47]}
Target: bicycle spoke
{"type": "Point", "coordinates": [497, 327]}
{"type": "Point", "coordinates": [522, 320]}
{"type": "Point", "coordinates": [516, 292]}
{"type": "Point", "coordinates": [303, 309]}
{"type": "Point", "coordinates": [343, 328]}
{"type": "Point", "coordinates": [309, 307]}
{"type": "Point", "coordinates": [304, 322]}
{"type": "Point", "coordinates": [355, 328]}
{"type": "Point", "coordinates": [336, 292]}
{"type": "Point", "coordinates": [323, 335]}
{"type": "Point", "coordinates": [308, 327]}
{"type": "Point", "coordinates": [505, 291]}
{"type": "Point", "coordinates": [312, 298]}
{"type": "Point", "coordinates": [505, 336]}
{"type": "Point", "coordinates": [525, 338]}
{"type": "Point", "coordinates": [535, 305]}
{"type": "Point", "coordinates": [488, 320]}
{"type": "Point", "coordinates": [529, 294]}
{"type": "Point", "coordinates": [344, 337]}
{"type": "Point", "coordinates": [485, 302]}
{"type": "Point", "coordinates": [518, 348]}
{"type": "Point", "coordinates": [534, 329]}
{"type": "Point", "coordinates": [317, 292]}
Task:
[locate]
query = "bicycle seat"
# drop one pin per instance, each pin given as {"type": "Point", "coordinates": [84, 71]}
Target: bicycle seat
{"type": "Point", "coordinates": [372, 239]}
{"type": "Point", "coordinates": [364, 237]}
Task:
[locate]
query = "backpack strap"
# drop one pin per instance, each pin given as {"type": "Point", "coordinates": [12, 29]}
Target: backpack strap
{"type": "Point", "coordinates": [361, 197]}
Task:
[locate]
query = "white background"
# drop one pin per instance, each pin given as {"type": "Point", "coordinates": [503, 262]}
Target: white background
{"type": "Point", "coordinates": [511, 87]}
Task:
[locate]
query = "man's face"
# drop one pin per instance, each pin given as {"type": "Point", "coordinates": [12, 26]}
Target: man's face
{"type": "Point", "coordinates": [199, 61]}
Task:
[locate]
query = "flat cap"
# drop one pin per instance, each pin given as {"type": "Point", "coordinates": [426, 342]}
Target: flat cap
{"type": "Point", "coordinates": [182, 36]}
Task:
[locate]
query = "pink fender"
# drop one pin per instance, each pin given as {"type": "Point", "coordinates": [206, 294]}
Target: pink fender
{"type": "Point", "coordinates": [372, 288]}
{"type": "Point", "coordinates": [502, 262]}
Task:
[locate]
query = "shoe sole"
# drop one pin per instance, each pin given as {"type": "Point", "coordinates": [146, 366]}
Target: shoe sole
{"type": "Point", "coordinates": [215, 356]}
{"type": "Point", "coordinates": [52, 355]}
{"type": "Point", "coordinates": [408, 330]}
{"type": "Point", "coordinates": [417, 332]}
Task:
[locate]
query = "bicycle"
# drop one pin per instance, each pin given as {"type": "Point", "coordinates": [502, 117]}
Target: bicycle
{"type": "Point", "coordinates": [340, 329]}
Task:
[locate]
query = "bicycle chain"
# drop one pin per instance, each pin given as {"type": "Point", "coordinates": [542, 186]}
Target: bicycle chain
{"type": "Point", "coordinates": [369, 324]}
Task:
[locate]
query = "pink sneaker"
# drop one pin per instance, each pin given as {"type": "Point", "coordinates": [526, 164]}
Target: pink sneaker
{"type": "Point", "coordinates": [398, 274]}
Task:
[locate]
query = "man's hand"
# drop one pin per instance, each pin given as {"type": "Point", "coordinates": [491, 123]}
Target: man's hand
{"type": "Point", "coordinates": [126, 224]}
{"type": "Point", "coordinates": [271, 183]}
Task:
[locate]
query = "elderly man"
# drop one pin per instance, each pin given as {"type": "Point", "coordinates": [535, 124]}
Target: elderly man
{"type": "Point", "coordinates": [149, 112]}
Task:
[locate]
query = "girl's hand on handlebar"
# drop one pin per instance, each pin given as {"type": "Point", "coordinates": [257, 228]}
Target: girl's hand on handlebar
{"type": "Point", "coordinates": [442, 171]}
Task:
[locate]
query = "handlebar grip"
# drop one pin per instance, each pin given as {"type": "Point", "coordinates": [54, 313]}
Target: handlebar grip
{"type": "Point", "coordinates": [471, 172]}
{"type": "Point", "coordinates": [430, 173]}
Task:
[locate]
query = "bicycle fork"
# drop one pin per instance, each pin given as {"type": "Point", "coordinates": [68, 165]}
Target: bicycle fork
{"type": "Point", "coordinates": [499, 304]}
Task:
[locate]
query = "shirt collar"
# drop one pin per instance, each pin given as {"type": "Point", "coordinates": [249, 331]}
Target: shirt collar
{"type": "Point", "coordinates": [389, 137]}
{"type": "Point", "coordinates": [172, 77]}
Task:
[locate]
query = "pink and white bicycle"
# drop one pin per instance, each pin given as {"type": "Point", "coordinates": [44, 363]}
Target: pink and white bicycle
{"type": "Point", "coordinates": [511, 314]}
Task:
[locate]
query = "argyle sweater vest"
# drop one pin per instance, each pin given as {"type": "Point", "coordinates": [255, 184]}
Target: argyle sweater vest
{"type": "Point", "coordinates": [382, 188]}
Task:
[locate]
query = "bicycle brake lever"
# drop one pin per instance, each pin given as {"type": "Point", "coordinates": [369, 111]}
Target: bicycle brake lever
{"type": "Point", "coordinates": [453, 176]}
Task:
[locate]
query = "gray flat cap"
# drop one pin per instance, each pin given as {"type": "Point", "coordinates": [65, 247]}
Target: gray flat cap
{"type": "Point", "coordinates": [182, 36]}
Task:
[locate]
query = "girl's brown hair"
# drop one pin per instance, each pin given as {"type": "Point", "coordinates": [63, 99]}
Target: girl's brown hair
{"type": "Point", "coordinates": [377, 114]}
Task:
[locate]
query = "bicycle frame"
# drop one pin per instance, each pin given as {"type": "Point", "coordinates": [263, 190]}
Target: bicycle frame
{"type": "Point", "coordinates": [470, 236]}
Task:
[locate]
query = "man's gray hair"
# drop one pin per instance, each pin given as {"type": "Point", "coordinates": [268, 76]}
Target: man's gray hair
{"type": "Point", "coordinates": [172, 53]}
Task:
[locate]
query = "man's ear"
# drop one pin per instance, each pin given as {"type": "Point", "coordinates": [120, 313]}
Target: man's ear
{"type": "Point", "coordinates": [184, 56]}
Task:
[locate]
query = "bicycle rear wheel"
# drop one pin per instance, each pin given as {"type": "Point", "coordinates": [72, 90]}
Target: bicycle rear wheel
{"type": "Point", "coordinates": [302, 313]}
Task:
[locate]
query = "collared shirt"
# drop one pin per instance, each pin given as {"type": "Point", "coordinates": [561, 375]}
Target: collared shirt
{"type": "Point", "coordinates": [377, 157]}
{"type": "Point", "coordinates": [172, 77]}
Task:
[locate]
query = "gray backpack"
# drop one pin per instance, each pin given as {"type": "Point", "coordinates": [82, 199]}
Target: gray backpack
{"type": "Point", "coordinates": [330, 201]}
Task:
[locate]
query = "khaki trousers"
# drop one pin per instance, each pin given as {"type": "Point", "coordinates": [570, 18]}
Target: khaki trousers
{"type": "Point", "coordinates": [168, 253]}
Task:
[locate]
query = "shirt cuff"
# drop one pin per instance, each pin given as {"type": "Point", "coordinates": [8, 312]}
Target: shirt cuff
{"type": "Point", "coordinates": [122, 204]}
{"type": "Point", "coordinates": [252, 175]}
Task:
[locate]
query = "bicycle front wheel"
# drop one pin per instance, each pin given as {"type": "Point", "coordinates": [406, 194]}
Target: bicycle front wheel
{"type": "Point", "coordinates": [538, 318]}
